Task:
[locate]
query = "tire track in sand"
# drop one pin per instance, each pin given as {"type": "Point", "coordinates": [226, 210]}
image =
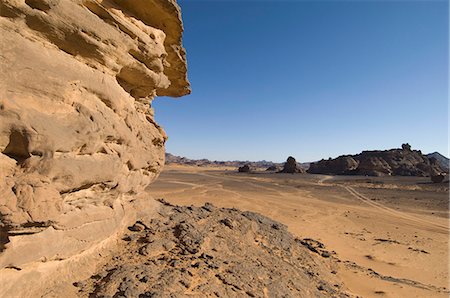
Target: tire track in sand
{"type": "Point", "coordinates": [393, 212]}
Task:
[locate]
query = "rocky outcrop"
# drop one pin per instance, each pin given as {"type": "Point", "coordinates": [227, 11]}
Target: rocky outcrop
{"type": "Point", "coordinates": [244, 169]}
{"type": "Point", "coordinates": [291, 166]}
{"type": "Point", "coordinates": [441, 159]}
{"type": "Point", "coordinates": [339, 166]}
{"type": "Point", "coordinates": [396, 162]}
{"type": "Point", "coordinates": [78, 139]}
{"type": "Point", "coordinates": [208, 251]}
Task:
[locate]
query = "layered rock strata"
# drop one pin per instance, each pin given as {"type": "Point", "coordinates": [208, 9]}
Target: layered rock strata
{"type": "Point", "coordinates": [78, 139]}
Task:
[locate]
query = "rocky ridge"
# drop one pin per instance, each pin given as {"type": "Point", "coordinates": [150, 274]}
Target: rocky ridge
{"type": "Point", "coordinates": [443, 161]}
{"type": "Point", "coordinates": [395, 162]}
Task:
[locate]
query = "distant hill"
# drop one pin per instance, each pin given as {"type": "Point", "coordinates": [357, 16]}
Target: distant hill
{"type": "Point", "coordinates": [442, 160]}
{"type": "Point", "coordinates": [263, 164]}
{"type": "Point", "coordinates": [394, 162]}
{"type": "Point", "coordinates": [174, 159]}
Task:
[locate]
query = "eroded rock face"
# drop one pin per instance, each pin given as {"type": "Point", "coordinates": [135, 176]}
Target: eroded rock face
{"type": "Point", "coordinates": [77, 134]}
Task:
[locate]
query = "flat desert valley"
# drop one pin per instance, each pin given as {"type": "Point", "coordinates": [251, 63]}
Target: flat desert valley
{"type": "Point", "coordinates": [387, 235]}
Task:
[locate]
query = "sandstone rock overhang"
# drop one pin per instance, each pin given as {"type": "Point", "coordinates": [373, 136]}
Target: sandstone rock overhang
{"type": "Point", "coordinates": [78, 140]}
{"type": "Point", "coordinates": [166, 16]}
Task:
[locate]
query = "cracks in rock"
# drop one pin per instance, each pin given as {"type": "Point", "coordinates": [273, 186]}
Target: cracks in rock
{"type": "Point", "coordinates": [82, 187]}
{"type": "Point", "coordinates": [8, 11]}
{"type": "Point", "coordinates": [41, 5]}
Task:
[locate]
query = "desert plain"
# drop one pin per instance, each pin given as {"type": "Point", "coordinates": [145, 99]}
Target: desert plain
{"type": "Point", "coordinates": [388, 235]}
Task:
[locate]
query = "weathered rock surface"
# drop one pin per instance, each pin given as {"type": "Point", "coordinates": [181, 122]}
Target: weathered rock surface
{"type": "Point", "coordinates": [77, 134]}
{"type": "Point", "coordinates": [396, 162]}
{"type": "Point", "coordinates": [207, 251]}
{"type": "Point", "coordinates": [291, 166]}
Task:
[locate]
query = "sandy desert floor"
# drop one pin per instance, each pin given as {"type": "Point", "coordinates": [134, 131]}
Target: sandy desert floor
{"type": "Point", "coordinates": [390, 234]}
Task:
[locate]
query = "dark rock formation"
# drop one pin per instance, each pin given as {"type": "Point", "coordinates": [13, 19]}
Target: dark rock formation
{"type": "Point", "coordinates": [441, 159]}
{"type": "Point", "coordinates": [208, 251]}
{"type": "Point", "coordinates": [339, 166]}
{"type": "Point", "coordinates": [291, 166]}
{"type": "Point", "coordinates": [244, 169]}
{"type": "Point", "coordinates": [438, 178]}
{"type": "Point", "coordinates": [396, 162]}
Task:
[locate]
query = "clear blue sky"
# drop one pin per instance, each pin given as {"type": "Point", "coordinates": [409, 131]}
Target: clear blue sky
{"type": "Point", "coordinates": [311, 79]}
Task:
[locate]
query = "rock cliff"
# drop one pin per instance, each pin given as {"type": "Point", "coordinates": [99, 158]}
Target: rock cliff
{"type": "Point", "coordinates": [78, 140]}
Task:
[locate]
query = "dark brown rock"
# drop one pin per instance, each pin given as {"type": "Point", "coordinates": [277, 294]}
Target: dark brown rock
{"type": "Point", "coordinates": [338, 166]}
{"type": "Point", "coordinates": [244, 169]}
{"type": "Point", "coordinates": [437, 178]}
{"type": "Point", "coordinates": [291, 166]}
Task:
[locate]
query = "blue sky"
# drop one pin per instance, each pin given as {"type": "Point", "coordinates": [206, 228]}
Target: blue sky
{"type": "Point", "coordinates": [311, 79]}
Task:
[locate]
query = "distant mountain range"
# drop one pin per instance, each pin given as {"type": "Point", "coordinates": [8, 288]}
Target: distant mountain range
{"type": "Point", "coordinates": [443, 161]}
{"type": "Point", "coordinates": [345, 164]}
{"type": "Point", "coordinates": [173, 159]}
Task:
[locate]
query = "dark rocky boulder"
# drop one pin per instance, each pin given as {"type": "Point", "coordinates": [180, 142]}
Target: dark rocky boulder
{"type": "Point", "coordinates": [437, 178]}
{"type": "Point", "coordinates": [291, 166]}
{"type": "Point", "coordinates": [244, 169]}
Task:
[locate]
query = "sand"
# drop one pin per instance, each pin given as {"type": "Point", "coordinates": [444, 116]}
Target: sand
{"type": "Point", "coordinates": [390, 234]}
